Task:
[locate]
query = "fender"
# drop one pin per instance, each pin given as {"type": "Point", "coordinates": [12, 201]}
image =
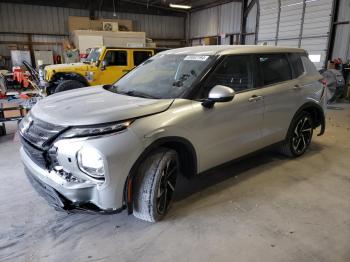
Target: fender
{"type": "Point", "coordinates": [69, 76]}
{"type": "Point", "coordinates": [188, 158]}
{"type": "Point", "coordinates": [318, 114]}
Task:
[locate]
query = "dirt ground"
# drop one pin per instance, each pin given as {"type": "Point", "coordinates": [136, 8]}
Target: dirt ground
{"type": "Point", "coordinates": [263, 208]}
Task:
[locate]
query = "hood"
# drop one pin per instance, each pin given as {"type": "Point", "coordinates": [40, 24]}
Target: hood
{"type": "Point", "coordinates": [95, 105]}
{"type": "Point", "coordinates": [65, 67]}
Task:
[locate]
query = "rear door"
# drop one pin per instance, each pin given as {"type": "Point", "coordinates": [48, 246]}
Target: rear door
{"type": "Point", "coordinates": [117, 63]}
{"type": "Point", "coordinates": [281, 92]}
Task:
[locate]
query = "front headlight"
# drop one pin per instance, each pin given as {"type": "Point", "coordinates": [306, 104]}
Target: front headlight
{"type": "Point", "coordinates": [96, 130]}
{"type": "Point", "coordinates": [90, 162]}
{"type": "Point", "coordinates": [25, 123]}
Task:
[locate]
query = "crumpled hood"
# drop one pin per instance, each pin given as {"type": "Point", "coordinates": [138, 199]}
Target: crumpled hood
{"type": "Point", "coordinates": [95, 105]}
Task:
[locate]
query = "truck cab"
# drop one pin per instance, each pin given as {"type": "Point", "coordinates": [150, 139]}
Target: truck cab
{"type": "Point", "coordinates": [103, 66]}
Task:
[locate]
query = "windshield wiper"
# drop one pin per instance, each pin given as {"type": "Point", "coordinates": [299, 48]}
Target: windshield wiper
{"type": "Point", "coordinates": [182, 79]}
{"type": "Point", "coordinates": [136, 94]}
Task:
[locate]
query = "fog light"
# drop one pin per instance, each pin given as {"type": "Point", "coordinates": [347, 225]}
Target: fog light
{"type": "Point", "coordinates": [90, 162]}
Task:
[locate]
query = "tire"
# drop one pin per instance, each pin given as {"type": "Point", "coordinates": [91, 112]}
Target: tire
{"type": "Point", "coordinates": [154, 185]}
{"type": "Point", "coordinates": [299, 135]}
{"type": "Point", "coordinates": [2, 129]}
{"type": "Point", "coordinates": [66, 85]}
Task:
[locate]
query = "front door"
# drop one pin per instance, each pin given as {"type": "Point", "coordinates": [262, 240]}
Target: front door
{"type": "Point", "coordinates": [229, 129]}
{"type": "Point", "coordinates": [116, 63]}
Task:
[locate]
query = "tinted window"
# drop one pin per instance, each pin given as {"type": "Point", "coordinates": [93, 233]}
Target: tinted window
{"type": "Point", "coordinates": [309, 66]}
{"type": "Point", "coordinates": [116, 58]}
{"type": "Point", "coordinates": [275, 68]}
{"type": "Point", "coordinates": [234, 72]}
{"type": "Point", "coordinates": [140, 56]}
{"type": "Point", "coordinates": [297, 65]}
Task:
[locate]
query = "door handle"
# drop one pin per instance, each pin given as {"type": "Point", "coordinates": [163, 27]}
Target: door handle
{"type": "Point", "coordinates": [255, 98]}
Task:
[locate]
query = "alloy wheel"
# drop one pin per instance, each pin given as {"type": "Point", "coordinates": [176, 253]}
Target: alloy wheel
{"type": "Point", "coordinates": [302, 135]}
{"type": "Point", "coordinates": [166, 186]}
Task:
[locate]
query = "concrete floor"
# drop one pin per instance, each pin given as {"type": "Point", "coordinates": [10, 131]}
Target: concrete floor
{"type": "Point", "coordinates": [265, 208]}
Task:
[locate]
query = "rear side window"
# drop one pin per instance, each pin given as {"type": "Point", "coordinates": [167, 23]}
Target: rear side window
{"type": "Point", "coordinates": [309, 66]}
{"type": "Point", "coordinates": [116, 58]}
{"type": "Point", "coordinates": [274, 68]}
{"type": "Point", "coordinates": [296, 64]}
{"type": "Point", "coordinates": [141, 56]}
{"type": "Point", "coordinates": [235, 72]}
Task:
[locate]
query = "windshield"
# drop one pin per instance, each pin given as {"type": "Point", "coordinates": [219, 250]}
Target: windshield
{"type": "Point", "coordinates": [94, 55]}
{"type": "Point", "coordinates": [163, 76]}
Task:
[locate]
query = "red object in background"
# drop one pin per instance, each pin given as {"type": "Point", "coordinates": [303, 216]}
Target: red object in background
{"type": "Point", "coordinates": [20, 76]}
{"type": "Point", "coordinates": [57, 59]}
{"type": "Point", "coordinates": [83, 56]}
{"type": "Point", "coordinates": [338, 61]}
{"type": "Point", "coordinates": [324, 82]}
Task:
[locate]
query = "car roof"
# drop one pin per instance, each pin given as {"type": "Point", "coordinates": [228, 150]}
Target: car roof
{"type": "Point", "coordinates": [232, 49]}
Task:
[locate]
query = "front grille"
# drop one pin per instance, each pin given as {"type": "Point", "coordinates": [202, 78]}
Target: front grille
{"type": "Point", "coordinates": [40, 132]}
{"type": "Point", "coordinates": [37, 138]}
{"type": "Point", "coordinates": [35, 154]}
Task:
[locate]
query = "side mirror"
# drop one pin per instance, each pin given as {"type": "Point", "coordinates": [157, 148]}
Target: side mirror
{"type": "Point", "coordinates": [219, 93]}
{"type": "Point", "coordinates": [104, 65]}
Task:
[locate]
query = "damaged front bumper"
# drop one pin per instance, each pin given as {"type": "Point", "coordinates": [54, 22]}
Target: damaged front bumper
{"type": "Point", "coordinates": [62, 194]}
{"type": "Point", "coordinates": [59, 202]}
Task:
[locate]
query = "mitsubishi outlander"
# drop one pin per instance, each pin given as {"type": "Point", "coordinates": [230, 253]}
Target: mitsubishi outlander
{"type": "Point", "coordinates": [180, 113]}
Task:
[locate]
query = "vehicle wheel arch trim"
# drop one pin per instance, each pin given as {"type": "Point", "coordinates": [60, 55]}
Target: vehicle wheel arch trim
{"type": "Point", "coordinates": [319, 110]}
{"type": "Point", "coordinates": [70, 76]}
{"type": "Point", "coordinates": [160, 142]}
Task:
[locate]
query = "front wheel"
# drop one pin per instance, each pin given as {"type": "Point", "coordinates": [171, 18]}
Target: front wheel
{"type": "Point", "coordinates": [154, 185]}
{"type": "Point", "coordinates": [299, 135]}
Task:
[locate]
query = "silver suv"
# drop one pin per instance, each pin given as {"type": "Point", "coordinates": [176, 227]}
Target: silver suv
{"type": "Point", "coordinates": [180, 113]}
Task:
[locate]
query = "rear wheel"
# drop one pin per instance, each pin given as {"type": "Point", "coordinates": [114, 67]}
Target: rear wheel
{"type": "Point", "coordinates": [66, 85]}
{"type": "Point", "coordinates": [154, 185]}
{"type": "Point", "coordinates": [299, 135]}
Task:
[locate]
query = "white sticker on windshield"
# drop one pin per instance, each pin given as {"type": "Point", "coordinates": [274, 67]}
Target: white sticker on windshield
{"type": "Point", "coordinates": [196, 57]}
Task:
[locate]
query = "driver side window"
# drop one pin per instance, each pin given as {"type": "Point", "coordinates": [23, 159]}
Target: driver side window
{"type": "Point", "coordinates": [234, 71]}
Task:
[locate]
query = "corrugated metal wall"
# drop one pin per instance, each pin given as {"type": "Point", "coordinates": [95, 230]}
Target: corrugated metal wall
{"type": "Point", "coordinates": [297, 23]}
{"type": "Point", "coordinates": [268, 20]}
{"type": "Point", "coordinates": [342, 32]}
{"type": "Point", "coordinates": [204, 23]}
{"type": "Point", "coordinates": [222, 20]}
{"type": "Point", "coordinates": [215, 21]}
{"type": "Point", "coordinates": [54, 20]}
{"type": "Point", "coordinates": [44, 19]}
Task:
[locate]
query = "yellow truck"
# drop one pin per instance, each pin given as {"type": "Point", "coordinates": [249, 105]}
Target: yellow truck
{"type": "Point", "coordinates": [103, 66]}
